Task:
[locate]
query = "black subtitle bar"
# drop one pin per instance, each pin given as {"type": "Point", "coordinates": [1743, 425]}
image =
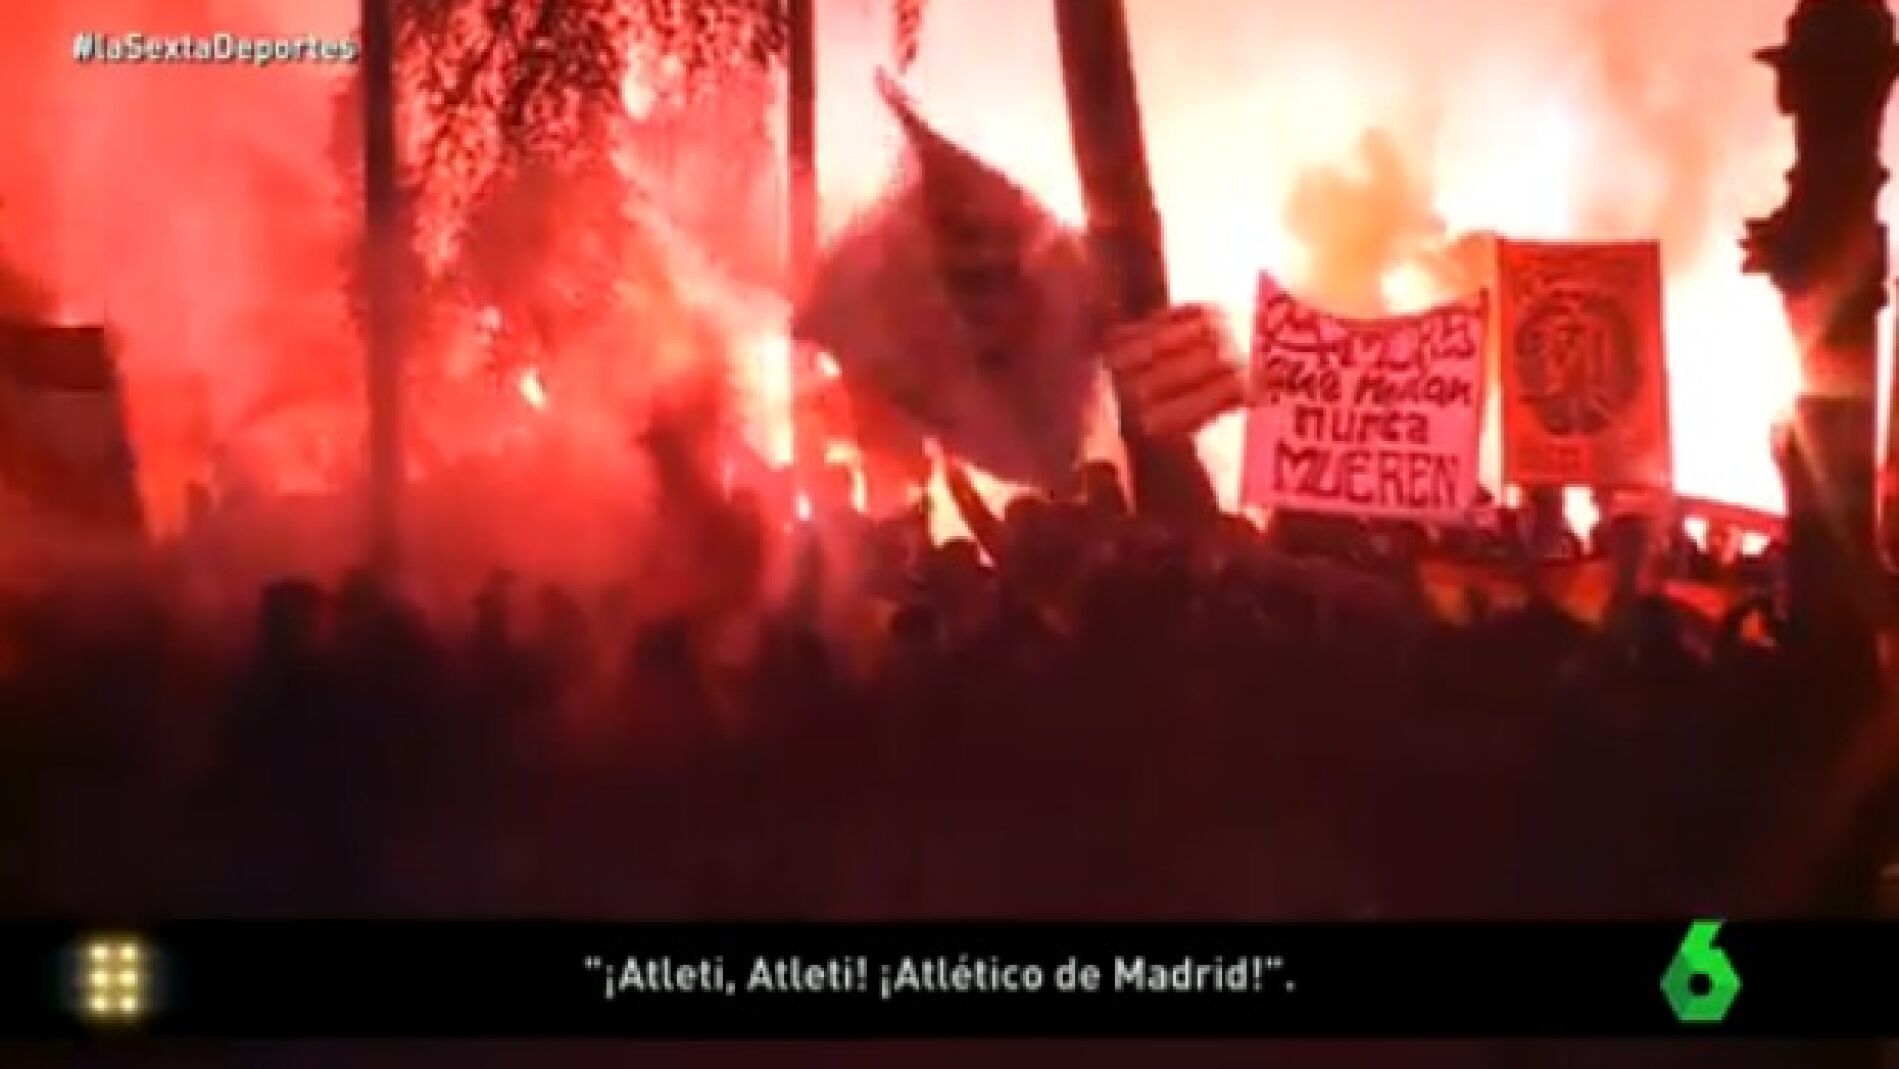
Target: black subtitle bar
{"type": "Point", "coordinates": [256, 979]}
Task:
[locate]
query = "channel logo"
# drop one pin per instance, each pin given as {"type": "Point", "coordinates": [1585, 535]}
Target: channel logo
{"type": "Point", "coordinates": [112, 980]}
{"type": "Point", "coordinates": [1701, 983]}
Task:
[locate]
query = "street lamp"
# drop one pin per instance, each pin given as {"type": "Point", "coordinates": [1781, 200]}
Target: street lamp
{"type": "Point", "coordinates": [1825, 250]}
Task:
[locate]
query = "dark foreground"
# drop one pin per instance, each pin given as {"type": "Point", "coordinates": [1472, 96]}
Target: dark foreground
{"type": "Point", "coordinates": [1111, 724]}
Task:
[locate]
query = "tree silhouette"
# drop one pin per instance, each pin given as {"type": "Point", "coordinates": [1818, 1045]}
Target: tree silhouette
{"type": "Point", "coordinates": [489, 90]}
{"type": "Point", "coordinates": [523, 168]}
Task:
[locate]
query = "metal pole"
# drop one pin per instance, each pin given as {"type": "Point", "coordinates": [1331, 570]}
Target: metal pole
{"type": "Point", "coordinates": [382, 283]}
{"type": "Point", "coordinates": [802, 223]}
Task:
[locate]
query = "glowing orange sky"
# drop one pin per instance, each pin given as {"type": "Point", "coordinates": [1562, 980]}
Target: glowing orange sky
{"type": "Point", "coordinates": [1566, 119]}
{"type": "Point", "coordinates": [199, 210]}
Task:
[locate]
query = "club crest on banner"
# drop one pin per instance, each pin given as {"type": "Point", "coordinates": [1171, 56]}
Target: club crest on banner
{"type": "Point", "coordinates": [1585, 397]}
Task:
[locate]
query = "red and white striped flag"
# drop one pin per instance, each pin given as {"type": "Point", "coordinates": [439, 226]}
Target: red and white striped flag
{"type": "Point", "coordinates": [1181, 369]}
{"type": "Point", "coordinates": [64, 450]}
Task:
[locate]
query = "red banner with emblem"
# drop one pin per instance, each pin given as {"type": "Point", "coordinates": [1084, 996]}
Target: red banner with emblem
{"type": "Point", "coordinates": [1584, 371]}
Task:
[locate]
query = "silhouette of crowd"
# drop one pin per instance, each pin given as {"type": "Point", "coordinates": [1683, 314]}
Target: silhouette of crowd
{"type": "Point", "coordinates": [1075, 713]}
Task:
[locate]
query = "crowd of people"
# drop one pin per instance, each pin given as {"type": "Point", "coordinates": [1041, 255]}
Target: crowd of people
{"type": "Point", "coordinates": [1073, 713]}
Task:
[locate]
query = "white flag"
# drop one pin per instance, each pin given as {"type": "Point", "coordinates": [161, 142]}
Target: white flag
{"type": "Point", "coordinates": [969, 307]}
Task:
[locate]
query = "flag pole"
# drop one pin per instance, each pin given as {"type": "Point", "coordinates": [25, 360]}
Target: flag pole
{"type": "Point", "coordinates": [1124, 231]}
{"type": "Point", "coordinates": [801, 238]}
{"type": "Point", "coordinates": [381, 281]}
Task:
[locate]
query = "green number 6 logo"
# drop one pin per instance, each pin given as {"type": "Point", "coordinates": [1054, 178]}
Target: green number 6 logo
{"type": "Point", "coordinates": [1701, 983]}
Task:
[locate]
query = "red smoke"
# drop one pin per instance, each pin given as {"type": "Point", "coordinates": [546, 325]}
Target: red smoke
{"type": "Point", "coordinates": [202, 211]}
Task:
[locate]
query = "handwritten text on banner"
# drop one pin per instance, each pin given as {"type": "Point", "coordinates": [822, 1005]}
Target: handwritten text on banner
{"type": "Point", "coordinates": [1365, 417]}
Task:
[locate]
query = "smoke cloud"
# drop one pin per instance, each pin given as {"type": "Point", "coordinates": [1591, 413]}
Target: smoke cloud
{"type": "Point", "coordinates": [201, 209]}
{"type": "Point", "coordinates": [1322, 141]}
